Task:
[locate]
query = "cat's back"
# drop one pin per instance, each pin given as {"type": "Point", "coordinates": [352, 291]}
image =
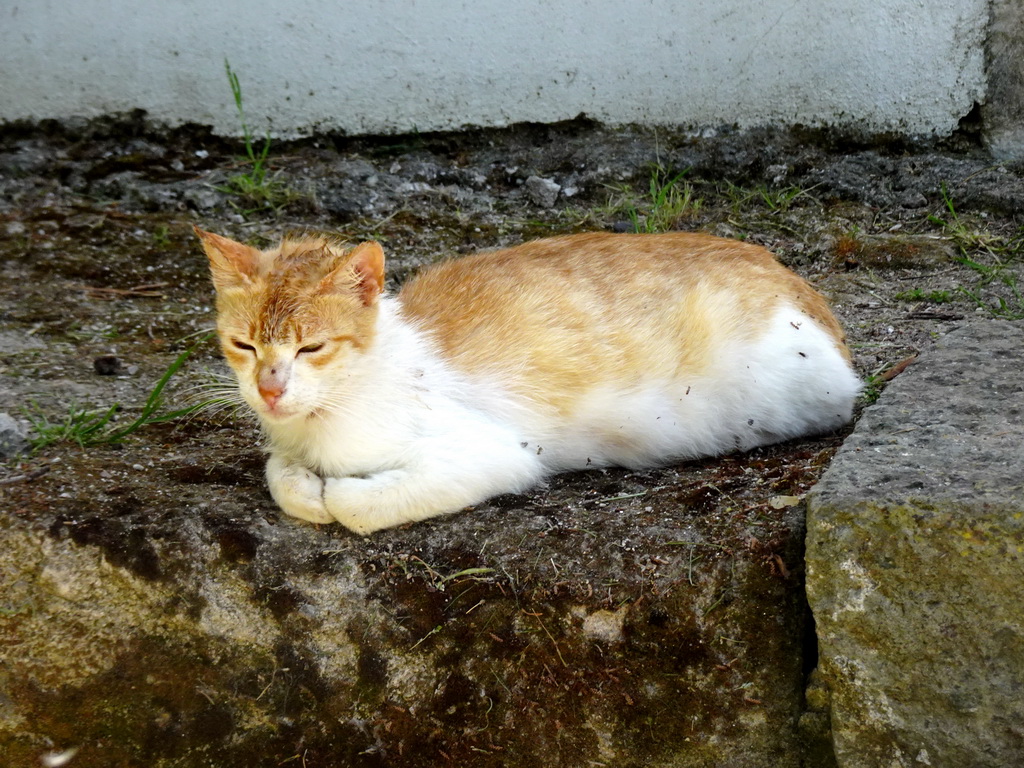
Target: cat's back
{"type": "Point", "coordinates": [612, 263]}
{"type": "Point", "coordinates": [599, 283]}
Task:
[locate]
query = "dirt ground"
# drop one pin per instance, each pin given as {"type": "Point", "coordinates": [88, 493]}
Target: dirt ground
{"type": "Point", "coordinates": [103, 284]}
{"type": "Point", "coordinates": [104, 291]}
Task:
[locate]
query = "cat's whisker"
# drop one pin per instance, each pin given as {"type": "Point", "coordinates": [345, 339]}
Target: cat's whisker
{"type": "Point", "coordinates": [340, 398]}
{"type": "Point", "coordinates": [337, 407]}
{"type": "Point", "coordinates": [219, 389]}
{"type": "Point", "coordinates": [224, 412]}
{"type": "Point", "coordinates": [215, 387]}
{"type": "Point", "coordinates": [213, 399]}
{"type": "Point", "coordinates": [212, 378]}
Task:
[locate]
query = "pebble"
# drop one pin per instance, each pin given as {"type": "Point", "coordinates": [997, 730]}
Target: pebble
{"type": "Point", "coordinates": [201, 198]}
{"type": "Point", "coordinates": [13, 436]}
{"type": "Point", "coordinates": [106, 365]}
{"type": "Point", "coordinates": [912, 200]}
{"type": "Point", "coordinates": [776, 174]}
{"type": "Point", "coordinates": [542, 192]}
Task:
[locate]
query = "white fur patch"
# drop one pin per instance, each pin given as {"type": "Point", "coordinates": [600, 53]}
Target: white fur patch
{"type": "Point", "coordinates": [409, 438]}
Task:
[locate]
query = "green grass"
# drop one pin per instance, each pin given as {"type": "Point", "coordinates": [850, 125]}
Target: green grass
{"type": "Point", "coordinates": [669, 200]}
{"type": "Point", "coordinates": [1007, 303]}
{"type": "Point", "coordinates": [97, 427]}
{"type": "Point", "coordinates": [258, 188]}
{"type": "Point", "coordinates": [161, 236]}
{"type": "Point", "coordinates": [412, 565]}
{"type": "Point", "coordinates": [872, 390]}
{"type": "Point", "coordinates": [929, 297]}
{"type": "Point", "coordinates": [781, 199]}
{"type": "Point", "coordinates": [775, 199]}
{"type": "Point", "coordinates": [990, 256]}
{"type": "Point", "coordinates": [965, 235]}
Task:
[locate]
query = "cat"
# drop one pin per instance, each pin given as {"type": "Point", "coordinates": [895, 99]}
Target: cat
{"type": "Point", "coordinates": [487, 373]}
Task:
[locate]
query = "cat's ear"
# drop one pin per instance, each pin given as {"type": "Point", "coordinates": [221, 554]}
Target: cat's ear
{"type": "Point", "coordinates": [232, 264]}
{"type": "Point", "coordinates": [362, 273]}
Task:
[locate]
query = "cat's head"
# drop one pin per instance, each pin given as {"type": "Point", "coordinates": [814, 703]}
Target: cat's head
{"type": "Point", "coordinates": [294, 320]}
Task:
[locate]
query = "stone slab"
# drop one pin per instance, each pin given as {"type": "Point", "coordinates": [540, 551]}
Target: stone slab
{"type": "Point", "coordinates": [611, 618]}
{"type": "Point", "coordinates": [914, 562]}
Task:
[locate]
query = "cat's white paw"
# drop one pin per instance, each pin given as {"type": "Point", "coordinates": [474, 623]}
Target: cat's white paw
{"type": "Point", "coordinates": [359, 503]}
{"type": "Point", "coordinates": [297, 491]}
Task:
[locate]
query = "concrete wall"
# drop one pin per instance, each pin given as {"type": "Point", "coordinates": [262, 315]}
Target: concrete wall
{"type": "Point", "coordinates": [1003, 113]}
{"type": "Point", "coordinates": [378, 66]}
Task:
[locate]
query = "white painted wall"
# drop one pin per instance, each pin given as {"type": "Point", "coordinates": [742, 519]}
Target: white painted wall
{"type": "Point", "coordinates": [378, 66]}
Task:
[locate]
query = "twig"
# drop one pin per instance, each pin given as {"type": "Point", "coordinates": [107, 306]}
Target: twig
{"type": "Point", "coordinates": [897, 369]}
{"type": "Point", "coordinates": [25, 477]}
{"type": "Point", "coordinates": [550, 637]}
{"type": "Point", "coordinates": [145, 291]}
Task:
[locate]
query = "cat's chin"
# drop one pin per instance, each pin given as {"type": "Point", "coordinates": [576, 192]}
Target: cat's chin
{"type": "Point", "coordinates": [279, 416]}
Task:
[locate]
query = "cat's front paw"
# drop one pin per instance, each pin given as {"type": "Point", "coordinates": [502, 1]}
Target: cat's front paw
{"type": "Point", "coordinates": [297, 491]}
{"type": "Point", "coordinates": [356, 503]}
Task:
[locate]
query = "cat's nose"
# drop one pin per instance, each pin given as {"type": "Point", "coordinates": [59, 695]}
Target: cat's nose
{"type": "Point", "coordinates": [271, 381]}
{"type": "Point", "coordinates": [271, 393]}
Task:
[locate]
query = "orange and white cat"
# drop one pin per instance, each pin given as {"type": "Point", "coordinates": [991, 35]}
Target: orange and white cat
{"type": "Point", "coordinates": [487, 373]}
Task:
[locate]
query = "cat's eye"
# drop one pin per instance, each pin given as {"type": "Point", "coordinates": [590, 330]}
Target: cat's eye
{"type": "Point", "coordinates": [242, 345]}
{"type": "Point", "coordinates": [310, 349]}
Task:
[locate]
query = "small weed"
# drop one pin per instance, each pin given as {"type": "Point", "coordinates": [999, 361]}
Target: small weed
{"type": "Point", "coordinates": [966, 237]}
{"type": "Point", "coordinates": [930, 297]}
{"type": "Point", "coordinates": [437, 580]}
{"type": "Point", "coordinates": [669, 201]}
{"type": "Point", "coordinates": [258, 187]}
{"type": "Point", "coordinates": [90, 427]}
{"type": "Point", "coordinates": [872, 390]}
{"type": "Point", "coordinates": [989, 256]}
{"type": "Point", "coordinates": [75, 427]}
{"type": "Point", "coordinates": [998, 305]}
{"type": "Point", "coordinates": [620, 197]}
{"type": "Point", "coordinates": [783, 198]}
{"type": "Point", "coordinates": [161, 236]}
{"type": "Point", "coordinates": [737, 196]}
{"type": "Point", "coordinates": [774, 199]}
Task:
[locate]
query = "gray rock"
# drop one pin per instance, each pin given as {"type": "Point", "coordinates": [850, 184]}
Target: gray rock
{"type": "Point", "coordinates": [13, 436]}
{"type": "Point", "coordinates": [776, 174]}
{"type": "Point", "coordinates": [203, 198]}
{"type": "Point", "coordinates": [542, 192]}
{"type": "Point", "coordinates": [587, 623]}
{"type": "Point", "coordinates": [914, 563]}
{"type": "Point", "coordinates": [913, 200]}
{"type": "Point", "coordinates": [107, 365]}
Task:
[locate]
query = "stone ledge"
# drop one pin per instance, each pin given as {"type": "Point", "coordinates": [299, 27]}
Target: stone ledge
{"type": "Point", "coordinates": [611, 618]}
{"type": "Point", "coordinates": [914, 562]}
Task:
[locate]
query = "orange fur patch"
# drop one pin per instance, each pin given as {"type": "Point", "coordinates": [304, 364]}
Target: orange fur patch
{"type": "Point", "coordinates": [555, 315]}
